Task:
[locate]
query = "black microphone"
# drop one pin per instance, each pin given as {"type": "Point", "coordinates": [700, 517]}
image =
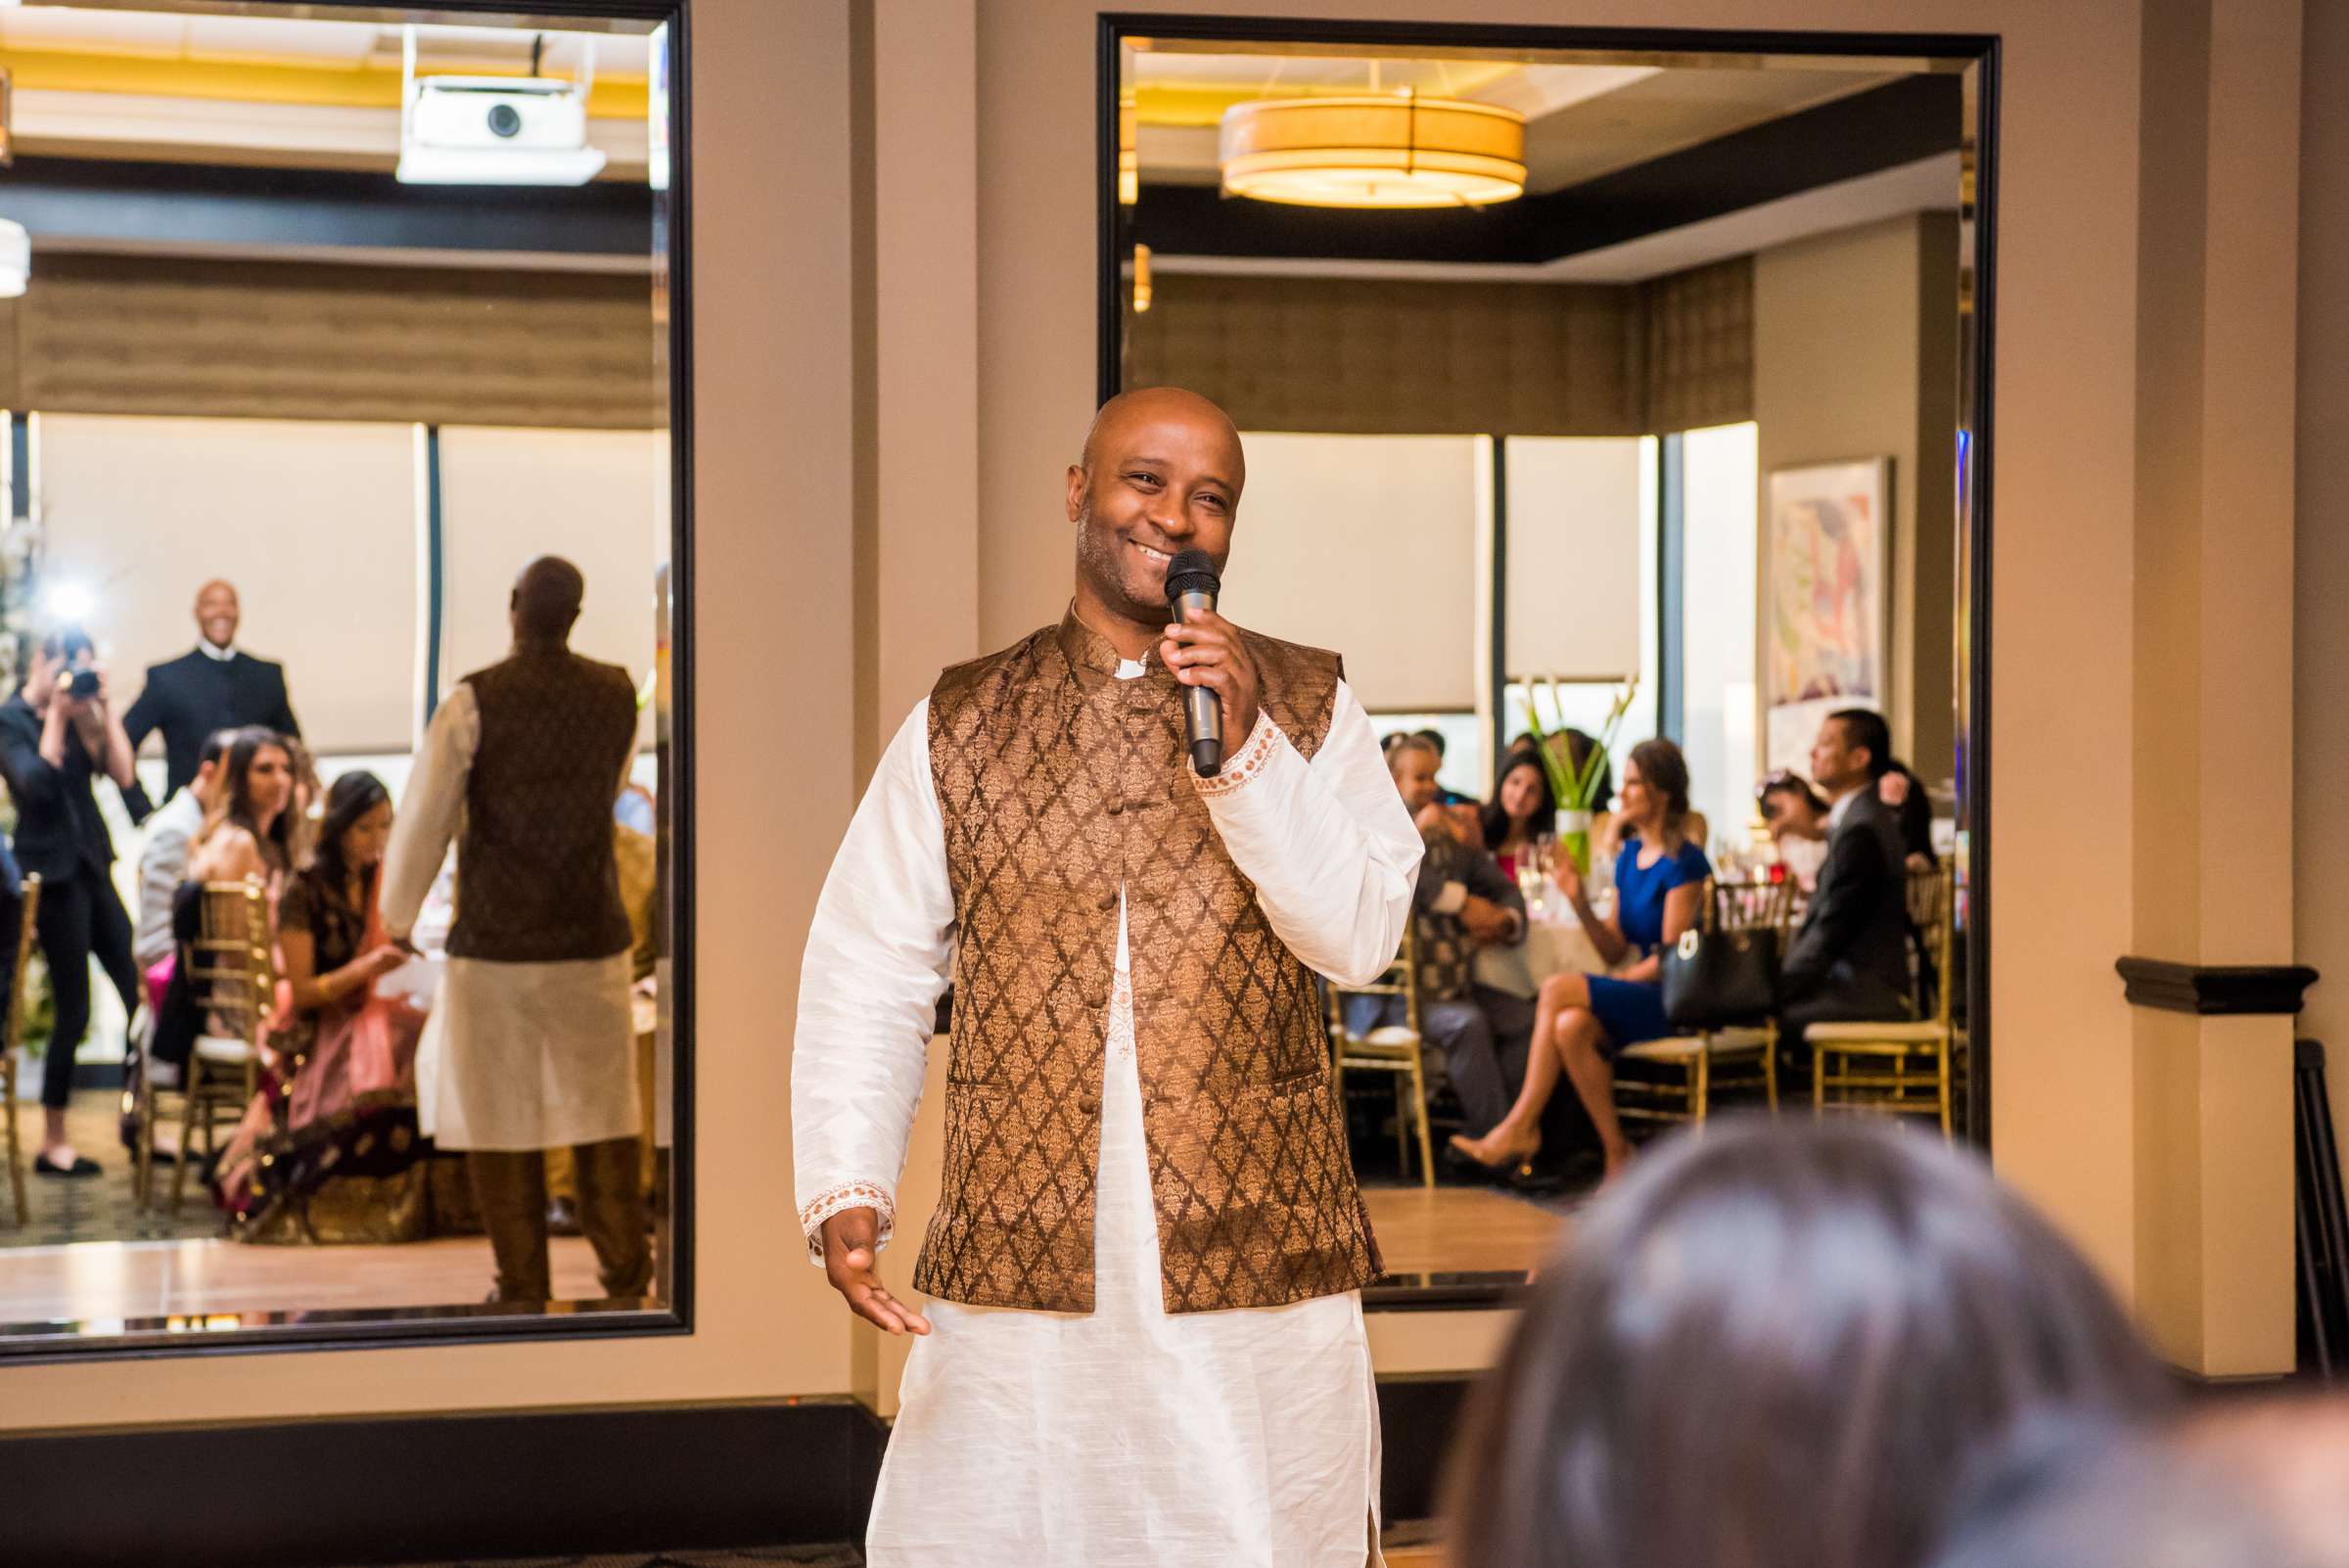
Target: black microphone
{"type": "Point", "coordinates": [1192, 586]}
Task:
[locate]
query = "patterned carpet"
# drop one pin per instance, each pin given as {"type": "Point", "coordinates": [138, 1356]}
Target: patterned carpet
{"type": "Point", "coordinates": [746, 1557]}
{"type": "Point", "coordinates": [100, 1208]}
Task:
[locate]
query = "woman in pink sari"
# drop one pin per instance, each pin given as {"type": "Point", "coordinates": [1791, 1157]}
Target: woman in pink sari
{"type": "Point", "coordinates": [350, 1107]}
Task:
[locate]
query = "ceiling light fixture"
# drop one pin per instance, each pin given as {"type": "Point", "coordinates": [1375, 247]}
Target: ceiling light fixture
{"type": "Point", "coordinates": [1373, 152]}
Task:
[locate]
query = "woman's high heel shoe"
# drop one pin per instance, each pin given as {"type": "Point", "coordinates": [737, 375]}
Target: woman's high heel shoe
{"type": "Point", "coordinates": [1499, 1157]}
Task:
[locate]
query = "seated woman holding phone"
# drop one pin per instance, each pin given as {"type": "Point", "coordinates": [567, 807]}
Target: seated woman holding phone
{"type": "Point", "coordinates": [1582, 1021]}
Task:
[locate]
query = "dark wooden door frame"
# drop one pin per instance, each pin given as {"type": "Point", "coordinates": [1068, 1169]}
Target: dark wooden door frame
{"type": "Point", "coordinates": [1980, 52]}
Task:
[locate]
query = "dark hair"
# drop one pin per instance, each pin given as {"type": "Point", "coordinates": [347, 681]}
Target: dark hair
{"type": "Point", "coordinates": [215, 746]}
{"type": "Point", "coordinates": [1664, 771]}
{"type": "Point", "coordinates": [1399, 742]}
{"type": "Point", "coordinates": [236, 802]}
{"type": "Point", "coordinates": [351, 797]}
{"type": "Point", "coordinates": [1865, 726]}
{"type": "Point", "coordinates": [1495, 818]}
{"type": "Point", "coordinates": [2104, 1496]}
{"type": "Point", "coordinates": [1775, 1347]}
{"type": "Point", "coordinates": [1782, 782]}
{"type": "Point", "coordinates": [1435, 738]}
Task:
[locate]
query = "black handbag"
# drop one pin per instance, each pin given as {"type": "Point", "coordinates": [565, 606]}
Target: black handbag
{"type": "Point", "coordinates": [1716, 978]}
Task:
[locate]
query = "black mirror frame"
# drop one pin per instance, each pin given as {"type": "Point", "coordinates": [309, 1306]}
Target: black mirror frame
{"type": "Point", "coordinates": [252, 1333]}
{"type": "Point", "coordinates": [1979, 54]}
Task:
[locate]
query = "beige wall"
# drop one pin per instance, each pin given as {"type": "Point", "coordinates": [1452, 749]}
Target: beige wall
{"type": "Point", "coordinates": [2320, 590]}
{"type": "Point", "coordinates": [776, 578]}
{"type": "Point", "coordinates": [1855, 337]}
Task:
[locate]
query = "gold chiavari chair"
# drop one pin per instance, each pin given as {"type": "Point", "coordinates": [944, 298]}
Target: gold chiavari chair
{"type": "Point", "coordinates": [13, 1036]}
{"type": "Point", "coordinates": [234, 978]}
{"type": "Point", "coordinates": [1688, 1067]}
{"type": "Point", "coordinates": [1905, 1067]}
{"type": "Point", "coordinates": [1395, 1048]}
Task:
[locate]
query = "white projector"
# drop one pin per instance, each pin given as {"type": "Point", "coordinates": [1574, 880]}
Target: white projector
{"type": "Point", "coordinates": [496, 130]}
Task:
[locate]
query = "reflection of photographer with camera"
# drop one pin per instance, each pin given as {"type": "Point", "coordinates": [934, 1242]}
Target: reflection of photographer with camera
{"type": "Point", "coordinates": [56, 734]}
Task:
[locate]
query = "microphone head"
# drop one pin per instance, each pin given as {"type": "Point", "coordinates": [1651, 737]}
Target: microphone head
{"type": "Point", "coordinates": [1192, 572]}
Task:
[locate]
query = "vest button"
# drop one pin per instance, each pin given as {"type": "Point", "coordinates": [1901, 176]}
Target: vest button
{"type": "Point", "coordinates": [1116, 806]}
{"type": "Point", "coordinates": [1107, 900]}
{"type": "Point", "coordinates": [1089, 1104]}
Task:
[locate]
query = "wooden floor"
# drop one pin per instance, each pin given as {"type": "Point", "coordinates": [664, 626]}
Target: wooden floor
{"type": "Point", "coordinates": [1460, 1230]}
{"type": "Point", "coordinates": [105, 1282]}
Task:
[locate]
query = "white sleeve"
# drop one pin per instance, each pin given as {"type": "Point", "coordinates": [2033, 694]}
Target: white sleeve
{"type": "Point", "coordinates": [1328, 842]}
{"type": "Point", "coordinates": [430, 810]}
{"type": "Point", "coordinates": [877, 960]}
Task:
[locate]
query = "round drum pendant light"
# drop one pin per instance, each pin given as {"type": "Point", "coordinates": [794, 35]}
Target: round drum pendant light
{"type": "Point", "coordinates": [1375, 152]}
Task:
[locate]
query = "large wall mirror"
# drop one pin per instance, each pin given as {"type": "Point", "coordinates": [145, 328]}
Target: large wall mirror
{"type": "Point", "coordinates": [1597, 392]}
{"type": "Point", "coordinates": [350, 830]}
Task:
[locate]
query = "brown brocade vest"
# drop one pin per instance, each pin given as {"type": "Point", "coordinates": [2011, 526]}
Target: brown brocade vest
{"type": "Point", "coordinates": [538, 881]}
{"type": "Point", "coordinates": [1059, 784]}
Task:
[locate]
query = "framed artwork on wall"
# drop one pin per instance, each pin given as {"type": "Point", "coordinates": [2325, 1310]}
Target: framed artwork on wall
{"type": "Point", "coordinates": [1826, 612]}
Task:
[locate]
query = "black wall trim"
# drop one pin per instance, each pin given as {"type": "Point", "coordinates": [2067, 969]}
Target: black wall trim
{"type": "Point", "coordinates": [405, 1489]}
{"type": "Point", "coordinates": [2272, 988]}
{"type": "Point", "coordinates": [1882, 128]}
{"type": "Point", "coordinates": [434, 1488]}
{"type": "Point", "coordinates": [65, 199]}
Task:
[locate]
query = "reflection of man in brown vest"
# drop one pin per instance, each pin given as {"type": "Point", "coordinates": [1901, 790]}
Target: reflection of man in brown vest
{"type": "Point", "coordinates": [535, 1048]}
{"type": "Point", "coordinates": [1144, 1343]}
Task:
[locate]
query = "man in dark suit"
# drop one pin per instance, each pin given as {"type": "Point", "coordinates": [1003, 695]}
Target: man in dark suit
{"type": "Point", "coordinates": [212, 688]}
{"type": "Point", "coordinates": [1850, 961]}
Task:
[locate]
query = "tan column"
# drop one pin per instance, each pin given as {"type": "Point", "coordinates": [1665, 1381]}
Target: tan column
{"type": "Point", "coordinates": [2212, 695]}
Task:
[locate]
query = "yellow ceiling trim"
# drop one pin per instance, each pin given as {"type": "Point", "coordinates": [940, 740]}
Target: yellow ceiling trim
{"type": "Point", "coordinates": [332, 86]}
{"type": "Point", "coordinates": [1197, 104]}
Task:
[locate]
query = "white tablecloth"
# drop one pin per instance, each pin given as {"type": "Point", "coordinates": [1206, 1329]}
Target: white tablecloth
{"type": "Point", "coordinates": [1550, 947]}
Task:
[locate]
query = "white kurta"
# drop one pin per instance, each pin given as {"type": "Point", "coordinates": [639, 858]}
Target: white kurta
{"type": "Point", "coordinates": [524, 1057]}
{"type": "Point", "coordinates": [1128, 1436]}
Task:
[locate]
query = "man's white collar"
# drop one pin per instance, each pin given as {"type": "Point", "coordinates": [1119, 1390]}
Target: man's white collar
{"type": "Point", "coordinates": [203, 646]}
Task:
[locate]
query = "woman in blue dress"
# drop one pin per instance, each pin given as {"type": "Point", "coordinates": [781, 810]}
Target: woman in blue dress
{"type": "Point", "coordinates": [1582, 1021]}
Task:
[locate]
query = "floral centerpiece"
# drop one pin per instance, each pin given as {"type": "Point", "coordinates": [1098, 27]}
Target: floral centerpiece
{"type": "Point", "coordinates": [1574, 783]}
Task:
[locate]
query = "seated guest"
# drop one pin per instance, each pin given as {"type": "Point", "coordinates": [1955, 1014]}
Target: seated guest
{"type": "Point", "coordinates": [352, 1053]}
{"type": "Point", "coordinates": [1522, 809]}
{"type": "Point", "coordinates": [1797, 819]}
{"type": "Point", "coordinates": [1850, 957]}
{"type": "Point", "coordinates": [245, 836]}
{"type": "Point", "coordinates": [1461, 900]}
{"type": "Point", "coordinates": [1435, 738]}
{"type": "Point", "coordinates": [1775, 1346]}
{"type": "Point", "coordinates": [1906, 794]}
{"type": "Point", "coordinates": [164, 862]}
{"type": "Point", "coordinates": [216, 686]}
{"type": "Point", "coordinates": [1582, 1021]}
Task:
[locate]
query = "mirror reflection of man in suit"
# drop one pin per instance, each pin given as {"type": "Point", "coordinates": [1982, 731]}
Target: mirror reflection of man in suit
{"type": "Point", "coordinates": [216, 686]}
{"type": "Point", "coordinates": [1850, 961]}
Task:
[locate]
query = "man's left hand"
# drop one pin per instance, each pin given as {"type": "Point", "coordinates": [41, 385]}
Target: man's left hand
{"type": "Point", "coordinates": [1206, 651]}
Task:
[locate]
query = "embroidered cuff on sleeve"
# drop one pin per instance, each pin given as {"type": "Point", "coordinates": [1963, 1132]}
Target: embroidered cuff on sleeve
{"type": "Point", "coordinates": [855, 1195]}
{"type": "Point", "coordinates": [1264, 743]}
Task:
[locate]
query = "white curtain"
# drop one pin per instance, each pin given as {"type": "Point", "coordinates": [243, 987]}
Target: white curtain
{"type": "Point", "coordinates": [1366, 546]}
{"type": "Point", "coordinates": [597, 499]}
{"type": "Point", "coordinates": [314, 523]}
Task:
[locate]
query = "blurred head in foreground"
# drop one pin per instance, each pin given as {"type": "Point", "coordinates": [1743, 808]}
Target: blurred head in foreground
{"type": "Point", "coordinates": [1778, 1346]}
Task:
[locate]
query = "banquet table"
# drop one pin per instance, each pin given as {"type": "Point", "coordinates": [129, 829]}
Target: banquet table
{"type": "Point", "coordinates": [1554, 942]}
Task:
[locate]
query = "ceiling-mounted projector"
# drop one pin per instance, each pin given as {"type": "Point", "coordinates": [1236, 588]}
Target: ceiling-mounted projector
{"type": "Point", "coordinates": [493, 131]}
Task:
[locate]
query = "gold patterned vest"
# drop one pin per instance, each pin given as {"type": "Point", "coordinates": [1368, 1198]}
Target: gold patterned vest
{"type": "Point", "coordinates": [538, 881]}
{"type": "Point", "coordinates": [1059, 784]}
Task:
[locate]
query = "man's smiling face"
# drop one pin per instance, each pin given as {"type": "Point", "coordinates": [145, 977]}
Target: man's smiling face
{"type": "Point", "coordinates": [1163, 475]}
